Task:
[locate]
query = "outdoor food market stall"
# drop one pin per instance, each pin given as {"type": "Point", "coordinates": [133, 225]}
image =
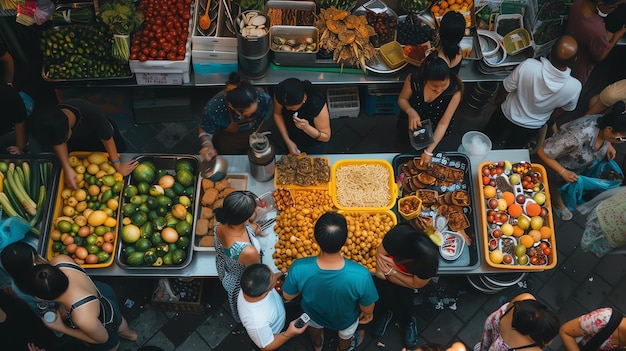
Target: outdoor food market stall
{"type": "Point", "coordinates": [158, 221]}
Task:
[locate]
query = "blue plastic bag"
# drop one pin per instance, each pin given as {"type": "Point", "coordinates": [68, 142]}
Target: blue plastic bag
{"type": "Point", "coordinates": [12, 229]}
{"type": "Point", "coordinates": [572, 193]}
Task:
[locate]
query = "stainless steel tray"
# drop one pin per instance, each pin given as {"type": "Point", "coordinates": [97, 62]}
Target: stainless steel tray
{"type": "Point", "coordinates": [166, 162]}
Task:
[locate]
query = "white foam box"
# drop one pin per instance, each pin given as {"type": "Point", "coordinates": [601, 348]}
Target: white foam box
{"type": "Point", "coordinates": [222, 40]}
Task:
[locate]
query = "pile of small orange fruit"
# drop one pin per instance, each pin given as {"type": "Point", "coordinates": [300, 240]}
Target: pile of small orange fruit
{"type": "Point", "coordinates": [463, 6]}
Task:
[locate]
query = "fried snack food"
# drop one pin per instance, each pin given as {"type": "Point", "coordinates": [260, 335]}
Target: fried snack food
{"type": "Point", "coordinates": [460, 198]}
{"type": "Point", "coordinates": [282, 199]}
{"type": "Point", "coordinates": [428, 197]}
{"type": "Point", "coordinates": [422, 222]}
{"type": "Point", "coordinates": [207, 213]}
{"type": "Point", "coordinates": [457, 221]}
{"type": "Point", "coordinates": [209, 196]}
{"type": "Point", "coordinates": [207, 183]}
{"type": "Point", "coordinates": [202, 227]}
{"type": "Point", "coordinates": [426, 178]}
{"type": "Point", "coordinates": [207, 241]}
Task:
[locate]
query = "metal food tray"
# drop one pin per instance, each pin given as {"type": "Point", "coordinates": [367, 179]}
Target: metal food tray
{"type": "Point", "coordinates": [167, 162]}
{"type": "Point", "coordinates": [44, 67]}
{"type": "Point", "coordinates": [237, 181]}
{"type": "Point", "coordinates": [470, 258]}
{"type": "Point", "coordinates": [51, 183]}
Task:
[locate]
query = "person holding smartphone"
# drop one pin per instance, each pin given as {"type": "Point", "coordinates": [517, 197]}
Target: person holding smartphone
{"type": "Point", "coordinates": [262, 311]}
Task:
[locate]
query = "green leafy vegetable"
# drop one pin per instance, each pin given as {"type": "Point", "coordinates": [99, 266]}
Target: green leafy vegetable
{"type": "Point", "coordinates": [122, 17]}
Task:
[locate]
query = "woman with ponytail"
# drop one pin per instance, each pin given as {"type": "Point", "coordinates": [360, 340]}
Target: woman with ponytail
{"type": "Point", "coordinates": [451, 31]}
{"type": "Point", "coordinates": [236, 245]}
{"type": "Point", "coordinates": [231, 116]}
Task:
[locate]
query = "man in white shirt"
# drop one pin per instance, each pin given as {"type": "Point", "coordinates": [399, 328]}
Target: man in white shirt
{"type": "Point", "coordinates": [261, 309]}
{"type": "Point", "coordinates": [537, 90]}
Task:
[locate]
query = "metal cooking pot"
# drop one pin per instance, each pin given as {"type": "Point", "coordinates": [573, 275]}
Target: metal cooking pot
{"type": "Point", "coordinates": [214, 169]}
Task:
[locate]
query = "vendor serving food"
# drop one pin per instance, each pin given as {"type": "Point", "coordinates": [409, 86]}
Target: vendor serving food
{"type": "Point", "coordinates": [231, 116]}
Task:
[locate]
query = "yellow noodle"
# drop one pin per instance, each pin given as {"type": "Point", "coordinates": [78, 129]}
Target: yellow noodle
{"type": "Point", "coordinates": [363, 186]}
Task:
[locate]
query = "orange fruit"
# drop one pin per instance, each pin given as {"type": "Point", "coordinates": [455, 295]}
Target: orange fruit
{"type": "Point", "coordinates": [455, 7]}
{"type": "Point", "coordinates": [509, 197]}
{"type": "Point", "coordinates": [517, 231]}
{"type": "Point", "coordinates": [443, 5]}
{"type": "Point", "coordinates": [535, 234]}
{"type": "Point", "coordinates": [532, 209]}
{"type": "Point", "coordinates": [515, 210]}
{"type": "Point", "coordinates": [489, 191]}
{"type": "Point", "coordinates": [545, 231]}
{"type": "Point", "coordinates": [527, 241]}
{"type": "Point", "coordinates": [435, 9]}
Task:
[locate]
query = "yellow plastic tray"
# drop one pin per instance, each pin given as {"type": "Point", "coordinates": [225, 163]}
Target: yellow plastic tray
{"type": "Point", "coordinates": [58, 208]}
{"type": "Point", "coordinates": [552, 258]}
{"type": "Point", "coordinates": [393, 187]}
{"type": "Point", "coordinates": [414, 214]}
{"type": "Point", "coordinates": [392, 54]}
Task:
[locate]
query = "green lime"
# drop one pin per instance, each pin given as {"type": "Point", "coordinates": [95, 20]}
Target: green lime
{"type": "Point", "coordinates": [4, 167]}
{"type": "Point", "coordinates": [108, 180]}
{"type": "Point", "coordinates": [92, 249]}
{"type": "Point", "coordinates": [178, 188]}
{"type": "Point", "coordinates": [183, 242]}
{"type": "Point", "coordinates": [184, 164]}
{"type": "Point", "coordinates": [184, 177]}
{"type": "Point", "coordinates": [139, 218]}
{"type": "Point", "coordinates": [117, 187]}
{"type": "Point", "coordinates": [128, 250]}
{"type": "Point", "coordinates": [91, 239]}
{"type": "Point", "coordinates": [143, 187]}
{"type": "Point", "coordinates": [167, 259]}
{"type": "Point", "coordinates": [103, 256]}
{"type": "Point", "coordinates": [75, 228]}
{"type": "Point", "coordinates": [178, 256]}
{"type": "Point", "coordinates": [64, 226]}
{"type": "Point", "coordinates": [135, 258]}
{"type": "Point", "coordinates": [100, 230]}
{"type": "Point", "coordinates": [129, 209]}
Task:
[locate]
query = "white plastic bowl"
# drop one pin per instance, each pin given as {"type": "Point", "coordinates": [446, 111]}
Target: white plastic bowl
{"type": "Point", "coordinates": [476, 143]}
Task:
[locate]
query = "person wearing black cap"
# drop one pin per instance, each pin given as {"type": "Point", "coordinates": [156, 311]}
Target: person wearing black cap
{"type": "Point", "coordinates": [406, 260]}
{"type": "Point", "coordinates": [301, 116]}
{"type": "Point", "coordinates": [78, 125]}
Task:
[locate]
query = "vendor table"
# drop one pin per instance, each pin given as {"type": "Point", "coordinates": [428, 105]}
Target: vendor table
{"type": "Point", "coordinates": [203, 262]}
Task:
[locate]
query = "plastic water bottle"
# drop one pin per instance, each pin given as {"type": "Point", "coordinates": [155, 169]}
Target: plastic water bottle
{"type": "Point", "coordinates": [48, 311]}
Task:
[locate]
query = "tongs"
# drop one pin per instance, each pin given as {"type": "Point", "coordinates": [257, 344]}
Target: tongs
{"type": "Point", "coordinates": [230, 24]}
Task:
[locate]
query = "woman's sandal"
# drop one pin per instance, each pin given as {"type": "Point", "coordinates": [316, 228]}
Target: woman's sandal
{"type": "Point", "coordinates": [564, 215]}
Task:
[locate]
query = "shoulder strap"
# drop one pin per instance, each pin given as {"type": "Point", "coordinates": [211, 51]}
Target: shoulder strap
{"type": "Point", "coordinates": [523, 347]}
{"type": "Point", "coordinates": [70, 265]}
{"type": "Point", "coordinates": [81, 302]}
{"type": "Point", "coordinates": [596, 341]}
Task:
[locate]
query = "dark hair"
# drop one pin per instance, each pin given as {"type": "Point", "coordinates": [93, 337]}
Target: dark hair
{"type": "Point", "coordinates": [434, 68]}
{"type": "Point", "coordinates": [535, 320]}
{"type": "Point", "coordinates": [615, 119]}
{"type": "Point", "coordinates": [256, 279]}
{"type": "Point", "coordinates": [291, 91]}
{"type": "Point", "coordinates": [451, 31]}
{"type": "Point", "coordinates": [44, 281]}
{"type": "Point", "coordinates": [418, 254]}
{"type": "Point", "coordinates": [331, 232]}
{"type": "Point", "coordinates": [49, 125]}
{"type": "Point", "coordinates": [608, 2]}
{"type": "Point", "coordinates": [17, 258]}
{"type": "Point", "coordinates": [238, 207]}
{"type": "Point", "coordinates": [240, 93]}
{"type": "Point", "coordinates": [12, 104]}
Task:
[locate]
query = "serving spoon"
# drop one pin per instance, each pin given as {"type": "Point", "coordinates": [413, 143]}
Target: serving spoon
{"type": "Point", "coordinates": [205, 20]}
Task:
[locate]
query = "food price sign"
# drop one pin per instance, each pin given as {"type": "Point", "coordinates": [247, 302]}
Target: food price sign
{"type": "Point", "coordinates": [160, 78]}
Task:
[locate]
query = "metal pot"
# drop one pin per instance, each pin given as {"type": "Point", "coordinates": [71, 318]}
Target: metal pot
{"type": "Point", "coordinates": [214, 169]}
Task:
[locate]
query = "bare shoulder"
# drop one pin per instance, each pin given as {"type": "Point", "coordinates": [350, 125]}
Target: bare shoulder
{"type": "Point", "coordinates": [523, 296]}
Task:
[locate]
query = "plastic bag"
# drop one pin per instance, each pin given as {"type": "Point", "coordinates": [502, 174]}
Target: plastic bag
{"type": "Point", "coordinates": [44, 11]}
{"type": "Point", "coordinates": [575, 193]}
{"type": "Point", "coordinates": [12, 229]}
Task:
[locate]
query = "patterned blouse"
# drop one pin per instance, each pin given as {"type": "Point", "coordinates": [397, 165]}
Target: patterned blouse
{"type": "Point", "coordinates": [591, 324]}
{"type": "Point", "coordinates": [229, 269]}
{"type": "Point", "coordinates": [574, 145]}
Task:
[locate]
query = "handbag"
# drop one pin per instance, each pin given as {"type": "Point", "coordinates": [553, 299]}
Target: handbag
{"type": "Point", "coordinates": [596, 341]}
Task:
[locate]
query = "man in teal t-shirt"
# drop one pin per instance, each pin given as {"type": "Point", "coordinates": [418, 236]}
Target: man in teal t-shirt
{"type": "Point", "coordinates": [337, 293]}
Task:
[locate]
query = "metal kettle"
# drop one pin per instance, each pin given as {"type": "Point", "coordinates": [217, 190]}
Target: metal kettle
{"type": "Point", "coordinates": [262, 157]}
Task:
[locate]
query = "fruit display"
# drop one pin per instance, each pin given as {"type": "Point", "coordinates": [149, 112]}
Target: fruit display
{"type": "Point", "coordinates": [212, 196]}
{"type": "Point", "coordinates": [414, 6]}
{"type": "Point", "coordinates": [158, 213]}
{"type": "Point", "coordinates": [465, 7]}
{"type": "Point", "coordinates": [25, 190]}
{"type": "Point", "coordinates": [385, 24]}
{"type": "Point", "coordinates": [518, 226]}
{"type": "Point", "coordinates": [85, 220]}
{"type": "Point", "coordinates": [444, 187]}
{"type": "Point", "coordinates": [164, 33]}
{"type": "Point", "coordinates": [79, 52]}
{"type": "Point", "coordinates": [415, 30]}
